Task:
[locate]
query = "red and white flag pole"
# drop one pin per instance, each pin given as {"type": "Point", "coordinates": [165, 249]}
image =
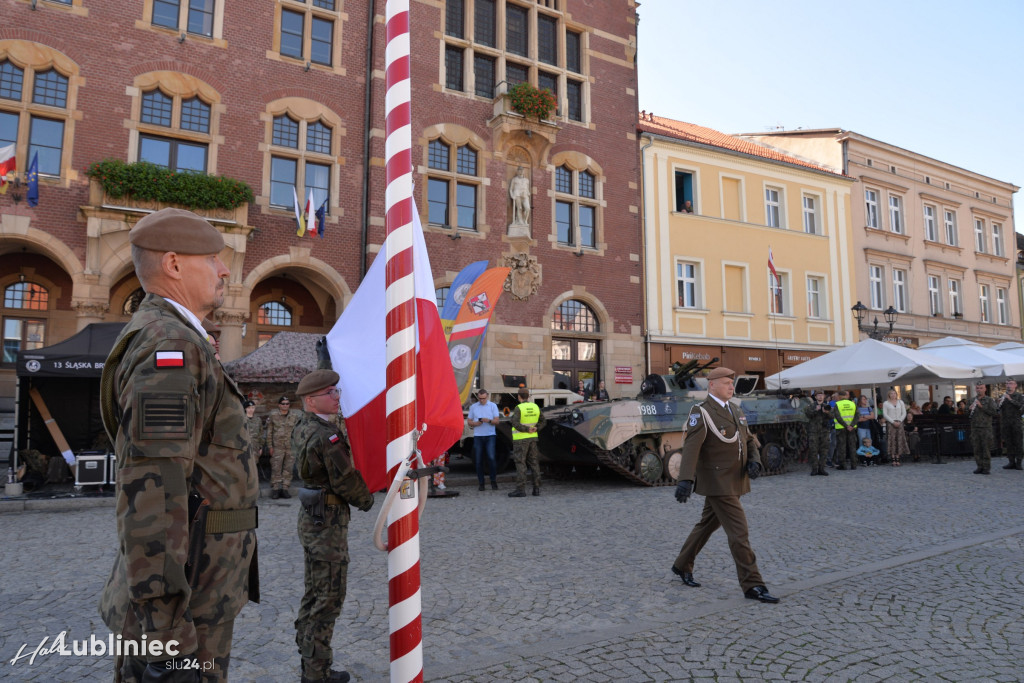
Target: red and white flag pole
{"type": "Point", "coordinates": [404, 621]}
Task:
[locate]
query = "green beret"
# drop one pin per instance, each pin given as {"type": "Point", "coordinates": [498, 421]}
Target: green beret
{"type": "Point", "coordinates": [721, 372]}
{"type": "Point", "coordinates": [177, 230]}
{"type": "Point", "coordinates": [317, 380]}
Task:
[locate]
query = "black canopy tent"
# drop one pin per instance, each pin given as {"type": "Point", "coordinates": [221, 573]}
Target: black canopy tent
{"type": "Point", "coordinates": [67, 376]}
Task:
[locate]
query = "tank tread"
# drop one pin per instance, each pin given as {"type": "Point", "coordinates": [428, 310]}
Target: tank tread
{"type": "Point", "coordinates": [608, 459]}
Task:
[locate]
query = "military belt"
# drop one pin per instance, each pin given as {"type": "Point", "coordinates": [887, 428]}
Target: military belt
{"type": "Point", "coordinates": [230, 521]}
{"type": "Point", "coordinates": [331, 499]}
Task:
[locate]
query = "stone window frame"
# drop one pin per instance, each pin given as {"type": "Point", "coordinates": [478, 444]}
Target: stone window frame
{"type": "Point", "coordinates": [578, 162]}
{"type": "Point", "coordinates": [180, 87]}
{"type": "Point", "coordinates": [470, 49]}
{"type": "Point", "coordinates": [306, 112]}
{"type": "Point", "coordinates": [181, 33]}
{"type": "Point", "coordinates": [40, 315]}
{"type": "Point", "coordinates": [454, 136]}
{"type": "Point", "coordinates": [337, 16]}
{"type": "Point", "coordinates": [33, 58]}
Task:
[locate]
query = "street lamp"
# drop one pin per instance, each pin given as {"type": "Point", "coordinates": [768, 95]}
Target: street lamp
{"type": "Point", "coordinates": [873, 332]}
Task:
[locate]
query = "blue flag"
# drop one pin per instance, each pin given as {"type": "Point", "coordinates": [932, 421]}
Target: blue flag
{"type": "Point", "coordinates": [32, 177]}
{"type": "Point", "coordinates": [321, 214]}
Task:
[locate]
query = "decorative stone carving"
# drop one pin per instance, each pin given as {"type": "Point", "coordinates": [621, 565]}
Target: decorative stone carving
{"type": "Point", "coordinates": [91, 309]}
{"type": "Point", "coordinates": [235, 318]}
{"type": "Point", "coordinates": [524, 279]}
{"type": "Point", "coordinates": [520, 191]}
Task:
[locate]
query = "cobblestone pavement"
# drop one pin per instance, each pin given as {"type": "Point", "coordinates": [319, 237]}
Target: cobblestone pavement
{"type": "Point", "coordinates": [915, 573]}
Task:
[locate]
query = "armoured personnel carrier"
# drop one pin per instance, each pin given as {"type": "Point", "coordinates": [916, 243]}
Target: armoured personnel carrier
{"type": "Point", "coordinates": [641, 439]}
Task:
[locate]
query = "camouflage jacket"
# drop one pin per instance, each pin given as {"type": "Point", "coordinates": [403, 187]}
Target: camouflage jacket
{"type": "Point", "coordinates": [325, 462]}
{"type": "Point", "coordinates": [255, 427]}
{"type": "Point", "coordinates": [818, 421]}
{"type": "Point", "coordinates": [1010, 408]}
{"type": "Point", "coordinates": [981, 416]}
{"type": "Point", "coordinates": [176, 420]}
{"type": "Point", "coordinates": [279, 430]}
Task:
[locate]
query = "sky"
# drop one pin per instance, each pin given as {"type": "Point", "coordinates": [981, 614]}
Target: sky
{"type": "Point", "coordinates": [943, 79]}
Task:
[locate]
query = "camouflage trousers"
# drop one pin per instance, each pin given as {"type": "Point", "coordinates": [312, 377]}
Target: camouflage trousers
{"type": "Point", "coordinates": [846, 447]}
{"type": "Point", "coordinates": [1012, 442]}
{"type": "Point", "coordinates": [817, 449]}
{"type": "Point", "coordinates": [281, 463]}
{"type": "Point", "coordinates": [318, 611]}
{"type": "Point", "coordinates": [211, 660]}
{"type": "Point", "coordinates": [981, 442]}
{"type": "Point", "coordinates": [526, 455]}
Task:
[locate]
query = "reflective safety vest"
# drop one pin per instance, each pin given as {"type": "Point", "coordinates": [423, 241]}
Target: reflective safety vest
{"type": "Point", "coordinates": [529, 413]}
{"type": "Point", "coordinates": [848, 410]}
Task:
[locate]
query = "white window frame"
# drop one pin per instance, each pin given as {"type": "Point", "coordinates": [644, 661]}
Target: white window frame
{"type": "Point", "coordinates": [876, 290]}
{"type": "Point", "coordinates": [896, 214]}
{"type": "Point", "coordinates": [979, 235]}
{"type": "Point", "coordinates": [949, 219]}
{"type": "Point", "coordinates": [954, 297]}
{"type": "Point", "coordinates": [934, 298]}
{"type": "Point", "coordinates": [984, 293]}
{"type": "Point", "coordinates": [997, 240]}
{"type": "Point", "coordinates": [1002, 309]}
{"type": "Point", "coordinates": [812, 220]}
{"type": "Point", "coordinates": [931, 231]}
{"type": "Point", "coordinates": [773, 216]}
{"type": "Point", "coordinates": [778, 292]}
{"type": "Point", "coordinates": [816, 297]}
{"type": "Point", "coordinates": [692, 281]}
{"type": "Point", "coordinates": [871, 208]}
{"type": "Point", "coordinates": [899, 289]}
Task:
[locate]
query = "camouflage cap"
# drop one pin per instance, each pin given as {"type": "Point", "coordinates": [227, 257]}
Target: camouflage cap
{"type": "Point", "coordinates": [317, 380]}
{"type": "Point", "coordinates": [177, 230]}
{"type": "Point", "coordinates": [720, 372]}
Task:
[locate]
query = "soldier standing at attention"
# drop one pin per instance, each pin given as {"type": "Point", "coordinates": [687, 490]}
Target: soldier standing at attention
{"type": "Point", "coordinates": [186, 482]}
{"type": "Point", "coordinates": [330, 484]}
{"type": "Point", "coordinates": [526, 421]}
{"type": "Point", "coordinates": [279, 442]}
{"type": "Point", "coordinates": [819, 429]}
{"type": "Point", "coordinates": [981, 412]}
{"type": "Point", "coordinates": [719, 459]}
{"type": "Point", "coordinates": [255, 428]}
{"type": "Point", "coordinates": [1011, 404]}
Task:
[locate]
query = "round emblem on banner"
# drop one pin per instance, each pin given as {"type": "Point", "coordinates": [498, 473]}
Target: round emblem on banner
{"type": "Point", "coordinates": [461, 356]}
{"type": "Point", "coordinates": [459, 295]}
{"type": "Point", "coordinates": [32, 366]}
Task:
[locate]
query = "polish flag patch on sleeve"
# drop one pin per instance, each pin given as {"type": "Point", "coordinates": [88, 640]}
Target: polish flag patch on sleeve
{"type": "Point", "coordinates": [333, 438]}
{"type": "Point", "coordinates": [170, 359]}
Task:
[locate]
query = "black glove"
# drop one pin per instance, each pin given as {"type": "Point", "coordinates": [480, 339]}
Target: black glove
{"type": "Point", "coordinates": [753, 469]}
{"type": "Point", "coordinates": [323, 356]}
{"type": "Point", "coordinates": [367, 507]}
{"type": "Point", "coordinates": [683, 490]}
{"type": "Point", "coordinates": [182, 669]}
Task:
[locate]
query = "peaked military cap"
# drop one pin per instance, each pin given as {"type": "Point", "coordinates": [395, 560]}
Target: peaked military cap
{"type": "Point", "coordinates": [177, 230]}
{"type": "Point", "coordinates": [720, 372]}
{"type": "Point", "coordinates": [317, 380]}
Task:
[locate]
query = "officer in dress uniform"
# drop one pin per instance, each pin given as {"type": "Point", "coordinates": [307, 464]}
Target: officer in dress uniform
{"type": "Point", "coordinates": [186, 482]}
{"type": "Point", "coordinates": [720, 456]}
{"type": "Point", "coordinates": [330, 484]}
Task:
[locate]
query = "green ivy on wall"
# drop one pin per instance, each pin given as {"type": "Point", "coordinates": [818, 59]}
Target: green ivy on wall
{"type": "Point", "coordinates": [145, 181]}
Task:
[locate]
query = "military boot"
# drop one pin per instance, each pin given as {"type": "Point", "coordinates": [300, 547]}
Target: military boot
{"type": "Point", "coordinates": [518, 493]}
{"type": "Point", "coordinates": [536, 490]}
{"type": "Point", "coordinates": [333, 676]}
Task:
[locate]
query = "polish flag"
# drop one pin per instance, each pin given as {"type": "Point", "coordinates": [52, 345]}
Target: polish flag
{"type": "Point", "coordinates": [771, 266]}
{"type": "Point", "coordinates": [357, 347]}
{"type": "Point", "coordinates": [311, 215]}
{"type": "Point", "coordinates": [6, 162]}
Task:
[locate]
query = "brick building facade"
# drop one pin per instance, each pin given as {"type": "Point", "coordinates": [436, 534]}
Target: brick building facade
{"type": "Point", "coordinates": [275, 94]}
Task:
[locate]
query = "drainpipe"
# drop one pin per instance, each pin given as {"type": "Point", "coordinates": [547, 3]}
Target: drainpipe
{"type": "Point", "coordinates": [367, 101]}
{"type": "Point", "coordinates": [643, 255]}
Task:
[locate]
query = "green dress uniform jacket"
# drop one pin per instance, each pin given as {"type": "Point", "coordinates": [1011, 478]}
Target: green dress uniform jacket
{"type": "Point", "coordinates": [177, 423]}
{"type": "Point", "coordinates": [716, 467]}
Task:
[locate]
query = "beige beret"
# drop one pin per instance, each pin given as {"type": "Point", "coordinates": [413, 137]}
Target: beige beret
{"type": "Point", "coordinates": [721, 372]}
{"type": "Point", "coordinates": [177, 230]}
{"type": "Point", "coordinates": [317, 380]}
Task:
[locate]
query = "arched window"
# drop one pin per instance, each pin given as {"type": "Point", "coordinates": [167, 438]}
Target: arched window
{"type": "Point", "coordinates": [300, 161]}
{"type": "Point", "coordinates": [574, 316]}
{"type": "Point", "coordinates": [165, 148]}
{"type": "Point", "coordinates": [575, 207]}
{"type": "Point", "coordinates": [441, 294]}
{"type": "Point", "coordinates": [272, 314]}
{"type": "Point", "coordinates": [23, 331]}
{"type": "Point", "coordinates": [452, 188]}
{"type": "Point", "coordinates": [40, 97]}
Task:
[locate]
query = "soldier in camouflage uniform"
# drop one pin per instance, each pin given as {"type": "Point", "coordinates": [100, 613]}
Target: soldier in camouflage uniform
{"type": "Point", "coordinates": [279, 442]}
{"type": "Point", "coordinates": [1011, 404]}
{"type": "Point", "coordinates": [819, 432]}
{"type": "Point", "coordinates": [178, 428]}
{"type": "Point", "coordinates": [325, 463]}
{"type": "Point", "coordinates": [254, 426]}
{"type": "Point", "coordinates": [981, 412]}
{"type": "Point", "coordinates": [527, 419]}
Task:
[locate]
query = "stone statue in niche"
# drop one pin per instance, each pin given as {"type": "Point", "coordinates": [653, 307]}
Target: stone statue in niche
{"type": "Point", "coordinates": [519, 190]}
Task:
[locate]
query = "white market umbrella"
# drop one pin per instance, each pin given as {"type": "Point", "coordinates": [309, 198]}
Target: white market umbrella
{"type": "Point", "coordinates": [992, 363]}
{"type": "Point", "coordinates": [1015, 348]}
{"type": "Point", "coordinates": [866, 363]}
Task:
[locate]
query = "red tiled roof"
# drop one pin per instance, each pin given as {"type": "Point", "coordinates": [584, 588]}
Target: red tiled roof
{"type": "Point", "coordinates": [681, 130]}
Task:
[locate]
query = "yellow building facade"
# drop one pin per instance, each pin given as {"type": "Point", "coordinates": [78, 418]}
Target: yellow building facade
{"type": "Point", "coordinates": [715, 207]}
